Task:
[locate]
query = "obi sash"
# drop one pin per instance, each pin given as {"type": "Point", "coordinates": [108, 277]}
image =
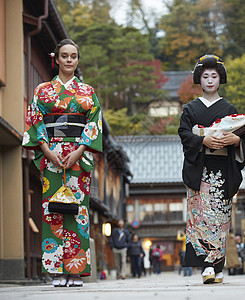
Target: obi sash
{"type": "Point", "coordinates": [64, 125]}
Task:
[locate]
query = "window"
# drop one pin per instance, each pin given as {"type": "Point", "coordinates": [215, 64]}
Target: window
{"type": "Point", "coordinates": [146, 213]}
{"type": "Point", "coordinates": [146, 207]}
{"type": "Point", "coordinates": [130, 213]}
{"type": "Point", "coordinates": [130, 208]}
{"type": "Point", "coordinates": [160, 207]}
{"type": "Point", "coordinates": [176, 212]}
{"type": "Point", "coordinates": [176, 206]}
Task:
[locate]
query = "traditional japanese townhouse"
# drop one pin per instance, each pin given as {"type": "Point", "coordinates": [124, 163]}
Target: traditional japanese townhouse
{"type": "Point", "coordinates": [11, 127]}
{"type": "Point", "coordinates": [157, 197]}
{"type": "Point", "coordinates": [108, 196]}
{"type": "Point", "coordinates": [170, 105]}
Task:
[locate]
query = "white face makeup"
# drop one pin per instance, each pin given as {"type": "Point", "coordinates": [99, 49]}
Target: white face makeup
{"type": "Point", "coordinates": [210, 81]}
{"type": "Point", "coordinates": [68, 59]}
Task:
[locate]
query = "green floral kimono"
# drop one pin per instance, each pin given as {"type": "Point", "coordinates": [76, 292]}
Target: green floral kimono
{"type": "Point", "coordinates": [65, 238]}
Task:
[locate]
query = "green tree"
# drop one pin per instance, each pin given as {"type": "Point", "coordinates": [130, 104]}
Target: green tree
{"type": "Point", "coordinates": [95, 61]}
{"type": "Point", "coordinates": [116, 61]}
{"type": "Point", "coordinates": [79, 15]}
{"type": "Point", "coordinates": [122, 124]}
{"type": "Point", "coordinates": [133, 77]}
{"type": "Point", "coordinates": [234, 89]}
{"type": "Point", "coordinates": [148, 24]}
{"type": "Point", "coordinates": [191, 30]}
{"type": "Point", "coordinates": [234, 26]}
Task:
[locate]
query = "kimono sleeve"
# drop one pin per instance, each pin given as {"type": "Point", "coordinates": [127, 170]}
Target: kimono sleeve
{"type": "Point", "coordinates": [92, 133]}
{"type": "Point", "coordinates": [192, 144]}
{"type": "Point", "coordinates": [35, 132]}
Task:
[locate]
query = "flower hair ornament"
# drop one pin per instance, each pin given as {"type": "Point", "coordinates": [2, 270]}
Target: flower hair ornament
{"type": "Point", "coordinates": [52, 55]}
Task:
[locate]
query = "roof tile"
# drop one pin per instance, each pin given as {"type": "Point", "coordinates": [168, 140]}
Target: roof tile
{"type": "Point", "coordinates": [153, 159]}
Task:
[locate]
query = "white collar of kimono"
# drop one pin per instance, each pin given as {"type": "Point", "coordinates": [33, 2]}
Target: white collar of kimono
{"type": "Point", "coordinates": [207, 102]}
{"type": "Point", "coordinates": [67, 83]}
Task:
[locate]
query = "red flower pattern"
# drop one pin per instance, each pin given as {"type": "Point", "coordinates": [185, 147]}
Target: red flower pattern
{"type": "Point", "coordinates": [84, 181]}
{"type": "Point", "coordinates": [72, 244]}
{"type": "Point", "coordinates": [48, 262]}
{"type": "Point", "coordinates": [47, 94]}
{"type": "Point", "coordinates": [53, 218]}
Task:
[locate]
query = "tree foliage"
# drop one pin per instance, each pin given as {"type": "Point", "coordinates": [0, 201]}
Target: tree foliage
{"type": "Point", "coordinates": [188, 90]}
{"type": "Point", "coordinates": [79, 15]}
{"type": "Point", "coordinates": [233, 35]}
{"type": "Point", "coordinates": [190, 31]}
{"type": "Point", "coordinates": [234, 89]}
{"type": "Point", "coordinates": [123, 124]}
{"type": "Point", "coordinates": [117, 62]}
{"type": "Point", "coordinates": [125, 64]}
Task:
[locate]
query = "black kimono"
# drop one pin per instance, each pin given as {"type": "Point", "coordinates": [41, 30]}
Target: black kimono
{"type": "Point", "coordinates": [212, 178]}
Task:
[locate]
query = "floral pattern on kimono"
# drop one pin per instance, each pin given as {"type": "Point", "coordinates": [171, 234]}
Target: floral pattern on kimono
{"type": "Point", "coordinates": [65, 238]}
{"type": "Point", "coordinates": [208, 217]}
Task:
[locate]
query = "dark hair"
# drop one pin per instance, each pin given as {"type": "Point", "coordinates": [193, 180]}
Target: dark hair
{"type": "Point", "coordinates": [209, 61]}
{"type": "Point", "coordinates": [61, 44]}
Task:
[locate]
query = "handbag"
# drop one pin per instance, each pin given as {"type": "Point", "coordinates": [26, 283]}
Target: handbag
{"type": "Point", "coordinates": [63, 201]}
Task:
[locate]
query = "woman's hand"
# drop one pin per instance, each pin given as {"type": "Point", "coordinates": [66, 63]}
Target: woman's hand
{"type": "Point", "coordinates": [230, 138]}
{"type": "Point", "coordinates": [54, 157]}
{"type": "Point", "coordinates": [213, 142]}
{"type": "Point", "coordinates": [73, 156]}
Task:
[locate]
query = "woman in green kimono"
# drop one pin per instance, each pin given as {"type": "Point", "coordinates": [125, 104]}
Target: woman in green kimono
{"type": "Point", "coordinates": [64, 127]}
{"type": "Point", "coordinates": [211, 172]}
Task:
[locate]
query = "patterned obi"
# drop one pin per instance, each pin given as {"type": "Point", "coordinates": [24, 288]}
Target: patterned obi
{"type": "Point", "coordinates": [64, 125]}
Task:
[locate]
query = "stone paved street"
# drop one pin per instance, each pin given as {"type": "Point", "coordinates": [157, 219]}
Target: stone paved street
{"type": "Point", "coordinates": [168, 285]}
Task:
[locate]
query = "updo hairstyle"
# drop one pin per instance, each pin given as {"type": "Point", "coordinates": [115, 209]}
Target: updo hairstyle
{"type": "Point", "coordinates": [209, 61]}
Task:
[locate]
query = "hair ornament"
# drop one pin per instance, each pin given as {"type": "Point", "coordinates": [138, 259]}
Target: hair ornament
{"type": "Point", "coordinates": [209, 61]}
{"type": "Point", "coordinates": [52, 55]}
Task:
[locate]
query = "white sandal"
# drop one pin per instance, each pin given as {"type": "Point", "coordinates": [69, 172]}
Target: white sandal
{"type": "Point", "coordinates": [219, 277]}
{"type": "Point", "coordinates": [75, 280]}
{"type": "Point", "coordinates": [60, 280]}
{"type": "Point", "coordinates": [208, 275]}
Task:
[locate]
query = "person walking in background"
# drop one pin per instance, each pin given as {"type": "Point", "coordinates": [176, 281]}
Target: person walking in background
{"type": "Point", "coordinates": [119, 241]}
{"type": "Point", "coordinates": [151, 259]}
{"type": "Point", "coordinates": [64, 127]}
{"type": "Point", "coordinates": [157, 255]}
{"type": "Point", "coordinates": [136, 254]}
{"type": "Point", "coordinates": [240, 251]}
{"type": "Point", "coordinates": [181, 236]}
{"type": "Point", "coordinates": [211, 172]}
{"type": "Point", "coordinates": [232, 258]}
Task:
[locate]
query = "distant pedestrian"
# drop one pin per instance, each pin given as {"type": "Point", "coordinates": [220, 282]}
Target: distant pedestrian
{"type": "Point", "coordinates": [240, 251]}
{"type": "Point", "coordinates": [151, 259]}
{"type": "Point", "coordinates": [157, 255]}
{"type": "Point", "coordinates": [119, 241]}
{"type": "Point", "coordinates": [143, 270]}
{"type": "Point", "coordinates": [232, 259]}
{"type": "Point", "coordinates": [136, 254]}
{"type": "Point", "coordinates": [181, 236]}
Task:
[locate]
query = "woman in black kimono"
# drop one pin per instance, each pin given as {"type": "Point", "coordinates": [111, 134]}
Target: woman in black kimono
{"type": "Point", "coordinates": [211, 172]}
